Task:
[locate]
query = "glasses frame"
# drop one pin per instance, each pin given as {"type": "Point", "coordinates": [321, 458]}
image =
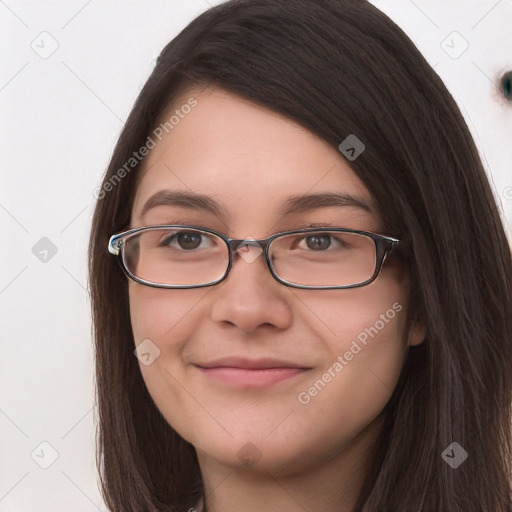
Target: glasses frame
{"type": "Point", "coordinates": [384, 245]}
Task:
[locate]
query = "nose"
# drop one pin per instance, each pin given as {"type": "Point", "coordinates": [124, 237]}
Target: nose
{"type": "Point", "coordinates": [250, 297]}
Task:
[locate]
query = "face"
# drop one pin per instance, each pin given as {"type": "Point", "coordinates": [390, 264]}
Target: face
{"type": "Point", "coordinates": [343, 349]}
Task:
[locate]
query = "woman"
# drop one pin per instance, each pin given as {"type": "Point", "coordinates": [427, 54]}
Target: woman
{"type": "Point", "coordinates": [312, 306]}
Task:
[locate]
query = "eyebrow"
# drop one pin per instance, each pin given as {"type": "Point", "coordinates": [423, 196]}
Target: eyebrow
{"type": "Point", "coordinates": [304, 203]}
{"type": "Point", "coordinates": [188, 200]}
{"type": "Point", "coordinates": [293, 204]}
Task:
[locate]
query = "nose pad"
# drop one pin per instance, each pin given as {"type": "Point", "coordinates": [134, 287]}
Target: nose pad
{"type": "Point", "coordinates": [249, 250]}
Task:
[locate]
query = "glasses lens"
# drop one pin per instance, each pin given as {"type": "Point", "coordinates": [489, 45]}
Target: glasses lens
{"type": "Point", "coordinates": [176, 256]}
{"type": "Point", "coordinates": [326, 258]}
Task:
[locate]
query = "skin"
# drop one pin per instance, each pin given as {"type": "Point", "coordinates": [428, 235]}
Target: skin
{"type": "Point", "coordinates": [310, 456]}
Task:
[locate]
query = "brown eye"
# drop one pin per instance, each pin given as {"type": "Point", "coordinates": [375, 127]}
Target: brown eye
{"type": "Point", "coordinates": [316, 242]}
{"type": "Point", "coordinates": [185, 240]}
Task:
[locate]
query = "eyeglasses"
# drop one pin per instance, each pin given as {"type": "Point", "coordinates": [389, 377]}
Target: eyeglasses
{"type": "Point", "coordinates": [178, 256]}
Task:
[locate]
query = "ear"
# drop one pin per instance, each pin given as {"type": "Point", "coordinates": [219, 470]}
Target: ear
{"type": "Point", "coordinates": [416, 335]}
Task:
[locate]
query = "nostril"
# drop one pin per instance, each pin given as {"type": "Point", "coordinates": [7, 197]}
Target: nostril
{"type": "Point", "coordinates": [506, 85]}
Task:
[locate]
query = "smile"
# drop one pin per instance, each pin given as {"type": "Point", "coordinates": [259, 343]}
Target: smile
{"type": "Point", "coordinates": [249, 374]}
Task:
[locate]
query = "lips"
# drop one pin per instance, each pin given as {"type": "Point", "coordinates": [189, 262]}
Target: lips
{"type": "Point", "coordinates": [250, 364]}
{"type": "Point", "coordinates": [250, 373]}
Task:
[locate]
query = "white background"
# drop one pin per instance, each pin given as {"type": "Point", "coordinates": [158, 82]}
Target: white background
{"type": "Point", "coordinates": [59, 120]}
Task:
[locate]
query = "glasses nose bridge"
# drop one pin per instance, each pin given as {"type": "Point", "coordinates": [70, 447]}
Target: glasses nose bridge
{"type": "Point", "coordinates": [235, 243]}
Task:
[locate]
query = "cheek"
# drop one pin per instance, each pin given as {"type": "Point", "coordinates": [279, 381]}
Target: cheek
{"type": "Point", "coordinates": [162, 321]}
{"type": "Point", "coordinates": [350, 391]}
{"type": "Point", "coordinates": [364, 361]}
{"type": "Point", "coordinates": [163, 314]}
{"type": "Point", "coordinates": [339, 316]}
{"type": "Point", "coordinates": [363, 334]}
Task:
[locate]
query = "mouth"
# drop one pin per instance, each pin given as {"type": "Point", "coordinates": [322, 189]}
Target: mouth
{"type": "Point", "coordinates": [247, 373]}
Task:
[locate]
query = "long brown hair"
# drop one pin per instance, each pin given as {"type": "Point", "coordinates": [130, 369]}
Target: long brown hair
{"type": "Point", "coordinates": [337, 67]}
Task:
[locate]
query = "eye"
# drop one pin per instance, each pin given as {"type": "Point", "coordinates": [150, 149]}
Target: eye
{"type": "Point", "coordinates": [319, 242]}
{"type": "Point", "coordinates": [187, 240]}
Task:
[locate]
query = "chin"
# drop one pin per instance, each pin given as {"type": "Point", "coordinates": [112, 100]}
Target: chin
{"type": "Point", "coordinates": [274, 455]}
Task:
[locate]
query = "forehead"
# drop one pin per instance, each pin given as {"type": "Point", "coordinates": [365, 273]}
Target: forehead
{"type": "Point", "coordinates": [248, 158]}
